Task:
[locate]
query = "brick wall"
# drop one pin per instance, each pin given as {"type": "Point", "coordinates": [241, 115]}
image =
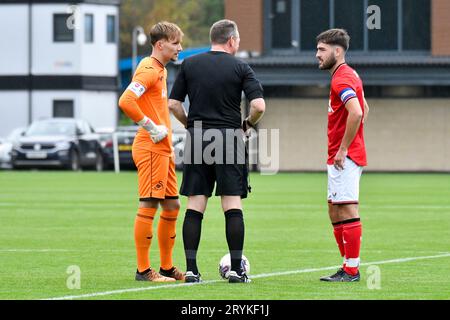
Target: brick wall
{"type": "Point", "coordinates": [440, 27]}
{"type": "Point", "coordinates": [248, 15]}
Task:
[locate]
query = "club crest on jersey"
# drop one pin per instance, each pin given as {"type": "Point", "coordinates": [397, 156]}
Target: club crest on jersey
{"type": "Point", "coordinates": [159, 185]}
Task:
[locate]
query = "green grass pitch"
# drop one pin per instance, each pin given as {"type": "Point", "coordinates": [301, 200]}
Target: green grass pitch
{"type": "Point", "coordinates": [52, 220]}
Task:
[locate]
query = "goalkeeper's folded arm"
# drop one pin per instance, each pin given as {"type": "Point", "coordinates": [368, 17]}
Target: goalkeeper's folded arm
{"type": "Point", "coordinates": [157, 132]}
{"type": "Point", "coordinates": [129, 106]}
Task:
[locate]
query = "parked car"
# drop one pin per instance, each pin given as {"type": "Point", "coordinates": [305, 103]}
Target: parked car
{"type": "Point", "coordinates": [58, 142]}
{"type": "Point", "coordinates": [6, 145]}
{"type": "Point", "coordinates": [125, 138]}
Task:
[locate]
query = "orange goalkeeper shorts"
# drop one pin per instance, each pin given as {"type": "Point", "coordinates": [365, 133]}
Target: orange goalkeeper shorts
{"type": "Point", "coordinates": [156, 175]}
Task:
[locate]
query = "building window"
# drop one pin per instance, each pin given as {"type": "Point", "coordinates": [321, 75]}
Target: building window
{"type": "Point", "coordinates": [89, 28]}
{"type": "Point", "coordinates": [314, 18]}
{"type": "Point", "coordinates": [385, 38]}
{"type": "Point", "coordinates": [281, 24]}
{"type": "Point", "coordinates": [63, 109]}
{"type": "Point", "coordinates": [61, 32]}
{"type": "Point", "coordinates": [349, 15]}
{"type": "Point", "coordinates": [404, 24]}
{"type": "Point", "coordinates": [111, 29]}
{"type": "Point", "coordinates": [416, 24]}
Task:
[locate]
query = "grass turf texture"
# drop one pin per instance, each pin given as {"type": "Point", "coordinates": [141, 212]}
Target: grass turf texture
{"type": "Point", "coordinates": [52, 220]}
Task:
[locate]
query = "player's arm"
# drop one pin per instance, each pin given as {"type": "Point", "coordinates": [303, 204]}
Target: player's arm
{"type": "Point", "coordinates": [176, 107]}
{"type": "Point", "coordinates": [257, 109]}
{"type": "Point", "coordinates": [128, 104]}
{"type": "Point", "coordinates": [355, 115]}
{"type": "Point", "coordinates": [366, 111]}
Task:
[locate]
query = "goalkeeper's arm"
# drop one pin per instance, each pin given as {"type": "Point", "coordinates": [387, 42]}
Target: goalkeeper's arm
{"type": "Point", "coordinates": [129, 106]}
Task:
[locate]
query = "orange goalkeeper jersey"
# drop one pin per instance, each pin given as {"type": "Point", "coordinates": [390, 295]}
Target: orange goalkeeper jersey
{"type": "Point", "coordinates": [147, 95]}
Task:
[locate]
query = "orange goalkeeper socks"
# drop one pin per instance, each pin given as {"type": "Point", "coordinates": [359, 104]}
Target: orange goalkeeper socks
{"type": "Point", "coordinates": [166, 237]}
{"type": "Point", "coordinates": [143, 233]}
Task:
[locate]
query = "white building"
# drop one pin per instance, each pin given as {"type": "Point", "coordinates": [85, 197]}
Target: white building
{"type": "Point", "coordinates": [58, 59]}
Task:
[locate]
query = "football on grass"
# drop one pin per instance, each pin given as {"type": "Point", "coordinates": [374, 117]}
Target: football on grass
{"type": "Point", "coordinates": [225, 265]}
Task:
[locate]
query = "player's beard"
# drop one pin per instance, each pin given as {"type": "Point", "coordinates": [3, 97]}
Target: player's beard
{"type": "Point", "coordinates": [329, 63]}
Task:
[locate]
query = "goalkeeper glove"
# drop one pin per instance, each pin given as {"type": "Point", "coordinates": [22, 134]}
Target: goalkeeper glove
{"type": "Point", "coordinates": [157, 132]}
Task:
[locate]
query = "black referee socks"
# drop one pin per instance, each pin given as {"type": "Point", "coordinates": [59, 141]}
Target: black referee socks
{"type": "Point", "coordinates": [192, 228]}
{"type": "Point", "coordinates": [234, 228]}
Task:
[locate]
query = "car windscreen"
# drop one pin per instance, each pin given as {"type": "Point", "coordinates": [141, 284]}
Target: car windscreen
{"type": "Point", "coordinates": [51, 128]}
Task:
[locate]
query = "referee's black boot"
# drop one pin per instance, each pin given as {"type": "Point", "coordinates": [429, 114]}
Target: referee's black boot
{"type": "Point", "coordinates": [235, 278]}
{"type": "Point", "coordinates": [190, 277]}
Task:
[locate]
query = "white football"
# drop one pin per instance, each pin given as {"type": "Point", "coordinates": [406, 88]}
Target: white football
{"type": "Point", "coordinates": [225, 265]}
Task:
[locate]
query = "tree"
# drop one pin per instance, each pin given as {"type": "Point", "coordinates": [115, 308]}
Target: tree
{"type": "Point", "coordinates": [194, 17]}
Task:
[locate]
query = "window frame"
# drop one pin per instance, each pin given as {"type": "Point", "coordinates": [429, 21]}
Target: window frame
{"type": "Point", "coordinates": [296, 33]}
{"type": "Point", "coordinates": [55, 33]}
{"type": "Point", "coordinates": [92, 33]}
{"type": "Point", "coordinates": [114, 29]}
{"type": "Point", "coordinates": [56, 101]}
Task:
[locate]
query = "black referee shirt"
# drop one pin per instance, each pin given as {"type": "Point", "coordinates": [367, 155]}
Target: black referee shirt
{"type": "Point", "coordinates": [214, 82]}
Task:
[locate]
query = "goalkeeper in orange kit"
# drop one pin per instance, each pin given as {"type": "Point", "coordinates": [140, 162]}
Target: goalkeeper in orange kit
{"type": "Point", "coordinates": [145, 102]}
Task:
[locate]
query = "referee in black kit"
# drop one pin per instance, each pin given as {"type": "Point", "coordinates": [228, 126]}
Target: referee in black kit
{"type": "Point", "coordinates": [214, 82]}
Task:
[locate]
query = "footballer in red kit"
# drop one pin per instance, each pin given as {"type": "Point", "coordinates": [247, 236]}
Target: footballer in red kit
{"type": "Point", "coordinates": [345, 85]}
{"type": "Point", "coordinates": [347, 113]}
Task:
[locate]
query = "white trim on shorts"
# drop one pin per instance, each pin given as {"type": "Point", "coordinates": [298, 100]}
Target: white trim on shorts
{"type": "Point", "coordinates": [343, 185]}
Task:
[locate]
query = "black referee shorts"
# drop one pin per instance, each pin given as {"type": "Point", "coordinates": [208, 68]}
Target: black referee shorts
{"type": "Point", "coordinates": [215, 158]}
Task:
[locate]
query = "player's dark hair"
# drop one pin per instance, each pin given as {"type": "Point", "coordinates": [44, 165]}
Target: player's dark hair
{"type": "Point", "coordinates": [165, 30]}
{"type": "Point", "coordinates": [222, 30]}
{"type": "Point", "coordinates": [337, 37]}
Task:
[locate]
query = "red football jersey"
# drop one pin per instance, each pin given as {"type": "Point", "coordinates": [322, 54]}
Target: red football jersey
{"type": "Point", "coordinates": [345, 85]}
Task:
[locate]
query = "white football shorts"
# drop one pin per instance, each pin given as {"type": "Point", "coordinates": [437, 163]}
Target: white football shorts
{"type": "Point", "coordinates": [343, 185]}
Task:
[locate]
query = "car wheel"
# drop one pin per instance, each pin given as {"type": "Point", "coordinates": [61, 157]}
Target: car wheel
{"type": "Point", "coordinates": [99, 164]}
{"type": "Point", "coordinates": [74, 163]}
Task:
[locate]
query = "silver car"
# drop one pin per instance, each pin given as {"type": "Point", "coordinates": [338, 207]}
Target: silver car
{"type": "Point", "coordinates": [6, 145]}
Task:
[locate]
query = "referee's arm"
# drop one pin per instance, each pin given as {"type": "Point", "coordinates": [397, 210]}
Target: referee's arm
{"type": "Point", "coordinates": [254, 92]}
{"type": "Point", "coordinates": [176, 107]}
{"type": "Point", "coordinates": [257, 109]}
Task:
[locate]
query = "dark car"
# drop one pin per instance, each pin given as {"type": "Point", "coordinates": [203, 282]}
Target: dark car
{"type": "Point", "coordinates": [125, 138]}
{"type": "Point", "coordinates": [58, 142]}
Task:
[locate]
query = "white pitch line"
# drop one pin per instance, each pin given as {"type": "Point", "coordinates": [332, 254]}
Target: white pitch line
{"type": "Point", "coordinates": [34, 250]}
{"type": "Point", "coordinates": [263, 275]}
{"type": "Point", "coordinates": [362, 206]}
